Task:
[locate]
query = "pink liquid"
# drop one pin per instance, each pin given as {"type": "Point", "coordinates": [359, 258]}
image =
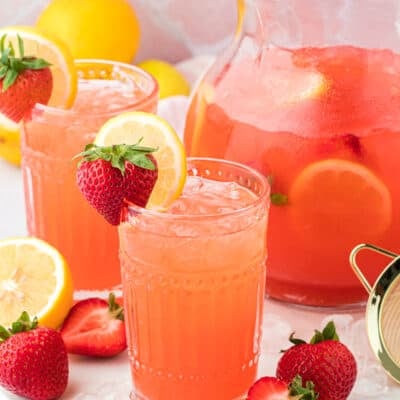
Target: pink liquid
{"type": "Point", "coordinates": [56, 210]}
{"type": "Point", "coordinates": [193, 290]}
{"type": "Point", "coordinates": [323, 123]}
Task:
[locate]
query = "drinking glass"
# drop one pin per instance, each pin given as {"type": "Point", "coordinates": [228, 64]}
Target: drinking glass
{"type": "Point", "coordinates": [193, 285]}
{"type": "Point", "coordinates": [56, 210]}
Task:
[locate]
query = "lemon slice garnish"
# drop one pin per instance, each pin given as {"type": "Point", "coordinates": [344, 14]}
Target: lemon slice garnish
{"type": "Point", "coordinates": [129, 128]}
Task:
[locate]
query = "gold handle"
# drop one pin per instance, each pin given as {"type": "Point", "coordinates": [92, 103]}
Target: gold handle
{"type": "Point", "coordinates": [357, 269]}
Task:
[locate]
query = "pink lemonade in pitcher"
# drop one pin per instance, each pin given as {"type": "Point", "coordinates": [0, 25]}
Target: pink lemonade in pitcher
{"type": "Point", "coordinates": [323, 124]}
{"type": "Point", "coordinates": [194, 285]}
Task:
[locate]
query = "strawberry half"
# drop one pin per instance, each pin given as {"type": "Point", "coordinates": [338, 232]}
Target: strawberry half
{"type": "Point", "coordinates": [325, 361]}
{"type": "Point", "coordinates": [95, 327]}
{"type": "Point", "coordinates": [271, 388]}
{"type": "Point", "coordinates": [24, 81]}
{"type": "Point", "coordinates": [33, 360]}
{"type": "Point", "coordinates": [110, 176]}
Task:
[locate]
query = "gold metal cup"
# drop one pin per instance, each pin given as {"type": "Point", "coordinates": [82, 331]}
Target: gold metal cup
{"type": "Point", "coordinates": [383, 309]}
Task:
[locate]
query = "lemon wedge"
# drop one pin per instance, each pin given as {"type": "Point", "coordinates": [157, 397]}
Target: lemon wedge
{"type": "Point", "coordinates": [34, 277]}
{"type": "Point", "coordinates": [154, 131]}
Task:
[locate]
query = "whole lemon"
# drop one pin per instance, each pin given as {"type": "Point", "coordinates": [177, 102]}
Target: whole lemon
{"type": "Point", "coordinates": [170, 80]}
{"type": "Point", "coordinates": [104, 29]}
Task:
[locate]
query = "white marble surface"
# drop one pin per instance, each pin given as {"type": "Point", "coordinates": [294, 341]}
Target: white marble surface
{"type": "Point", "coordinates": [110, 379]}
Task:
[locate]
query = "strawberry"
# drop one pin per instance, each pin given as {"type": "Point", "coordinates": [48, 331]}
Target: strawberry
{"type": "Point", "coordinates": [271, 388]}
{"type": "Point", "coordinates": [325, 361]}
{"type": "Point", "coordinates": [343, 145]}
{"type": "Point", "coordinates": [24, 81]}
{"type": "Point", "coordinates": [95, 327]}
{"type": "Point", "coordinates": [109, 176]}
{"type": "Point", "coordinates": [33, 360]}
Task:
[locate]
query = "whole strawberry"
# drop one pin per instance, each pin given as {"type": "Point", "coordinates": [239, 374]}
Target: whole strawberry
{"type": "Point", "coordinates": [112, 175]}
{"type": "Point", "coordinates": [24, 81]}
{"type": "Point", "coordinates": [33, 360]}
{"type": "Point", "coordinates": [325, 361]}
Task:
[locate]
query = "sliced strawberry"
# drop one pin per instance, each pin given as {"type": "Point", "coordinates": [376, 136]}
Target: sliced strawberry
{"type": "Point", "coordinates": [95, 327]}
{"type": "Point", "coordinates": [341, 145]}
{"type": "Point", "coordinates": [271, 388]}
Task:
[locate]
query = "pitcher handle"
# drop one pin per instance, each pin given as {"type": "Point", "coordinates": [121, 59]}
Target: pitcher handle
{"type": "Point", "coordinates": [357, 269]}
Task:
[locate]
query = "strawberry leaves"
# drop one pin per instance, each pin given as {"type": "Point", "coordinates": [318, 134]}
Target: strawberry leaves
{"type": "Point", "coordinates": [119, 153]}
{"type": "Point", "coordinates": [328, 333]}
{"type": "Point", "coordinates": [11, 66]}
{"type": "Point", "coordinates": [23, 324]}
{"type": "Point", "coordinates": [306, 392]}
{"type": "Point", "coordinates": [115, 309]}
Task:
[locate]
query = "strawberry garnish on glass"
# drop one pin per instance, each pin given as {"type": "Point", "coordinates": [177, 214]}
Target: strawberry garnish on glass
{"type": "Point", "coordinates": [33, 360]}
{"type": "Point", "coordinates": [24, 81]}
{"type": "Point", "coordinates": [95, 327]}
{"type": "Point", "coordinates": [111, 176]}
{"type": "Point", "coordinates": [325, 361]}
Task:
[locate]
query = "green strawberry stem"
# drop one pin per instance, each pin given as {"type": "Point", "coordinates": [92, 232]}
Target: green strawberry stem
{"type": "Point", "coordinates": [328, 333]}
{"type": "Point", "coordinates": [11, 66]}
{"type": "Point", "coordinates": [117, 154]}
{"type": "Point", "coordinates": [23, 324]}
{"type": "Point", "coordinates": [299, 392]}
{"type": "Point", "coordinates": [115, 309]}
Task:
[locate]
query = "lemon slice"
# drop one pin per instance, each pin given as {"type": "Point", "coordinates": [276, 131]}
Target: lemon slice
{"type": "Point", "coordinates": [39, 44]}
{"type": "Point", "coordinates": [129, 128]}
{"type": "Point", "coordinates": [335, 195]}
{"type": "Point", "coordinates": [34, 277]}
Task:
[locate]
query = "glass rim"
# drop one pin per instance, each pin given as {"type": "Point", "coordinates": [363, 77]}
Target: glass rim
{"type": "Point", "coordinates": [264, 194]}
{"type": "Point", "coordinates": [136, 103]}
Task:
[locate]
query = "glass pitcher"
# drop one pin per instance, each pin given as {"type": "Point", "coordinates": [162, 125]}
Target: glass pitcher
{"type": "Point", "coordinates": [309, 93]}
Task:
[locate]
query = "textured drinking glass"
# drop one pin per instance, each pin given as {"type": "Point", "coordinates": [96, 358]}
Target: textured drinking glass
{"type": "Point", "coordinates": [193, 283]}
{"type": "Point", "coordinates": [56, 210]}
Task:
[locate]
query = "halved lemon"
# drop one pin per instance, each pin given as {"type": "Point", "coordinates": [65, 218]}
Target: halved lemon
{"type": "Point", "coordinates": [338, 196]}
{"type": "Point", "coordinates": [65, 79]}
{"type": "Point", "coordinates": [129, 128]}
{"type": "Point", "coordinates": [10, 140]}
{"type": "Point", "coordinates": [34, 277]}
